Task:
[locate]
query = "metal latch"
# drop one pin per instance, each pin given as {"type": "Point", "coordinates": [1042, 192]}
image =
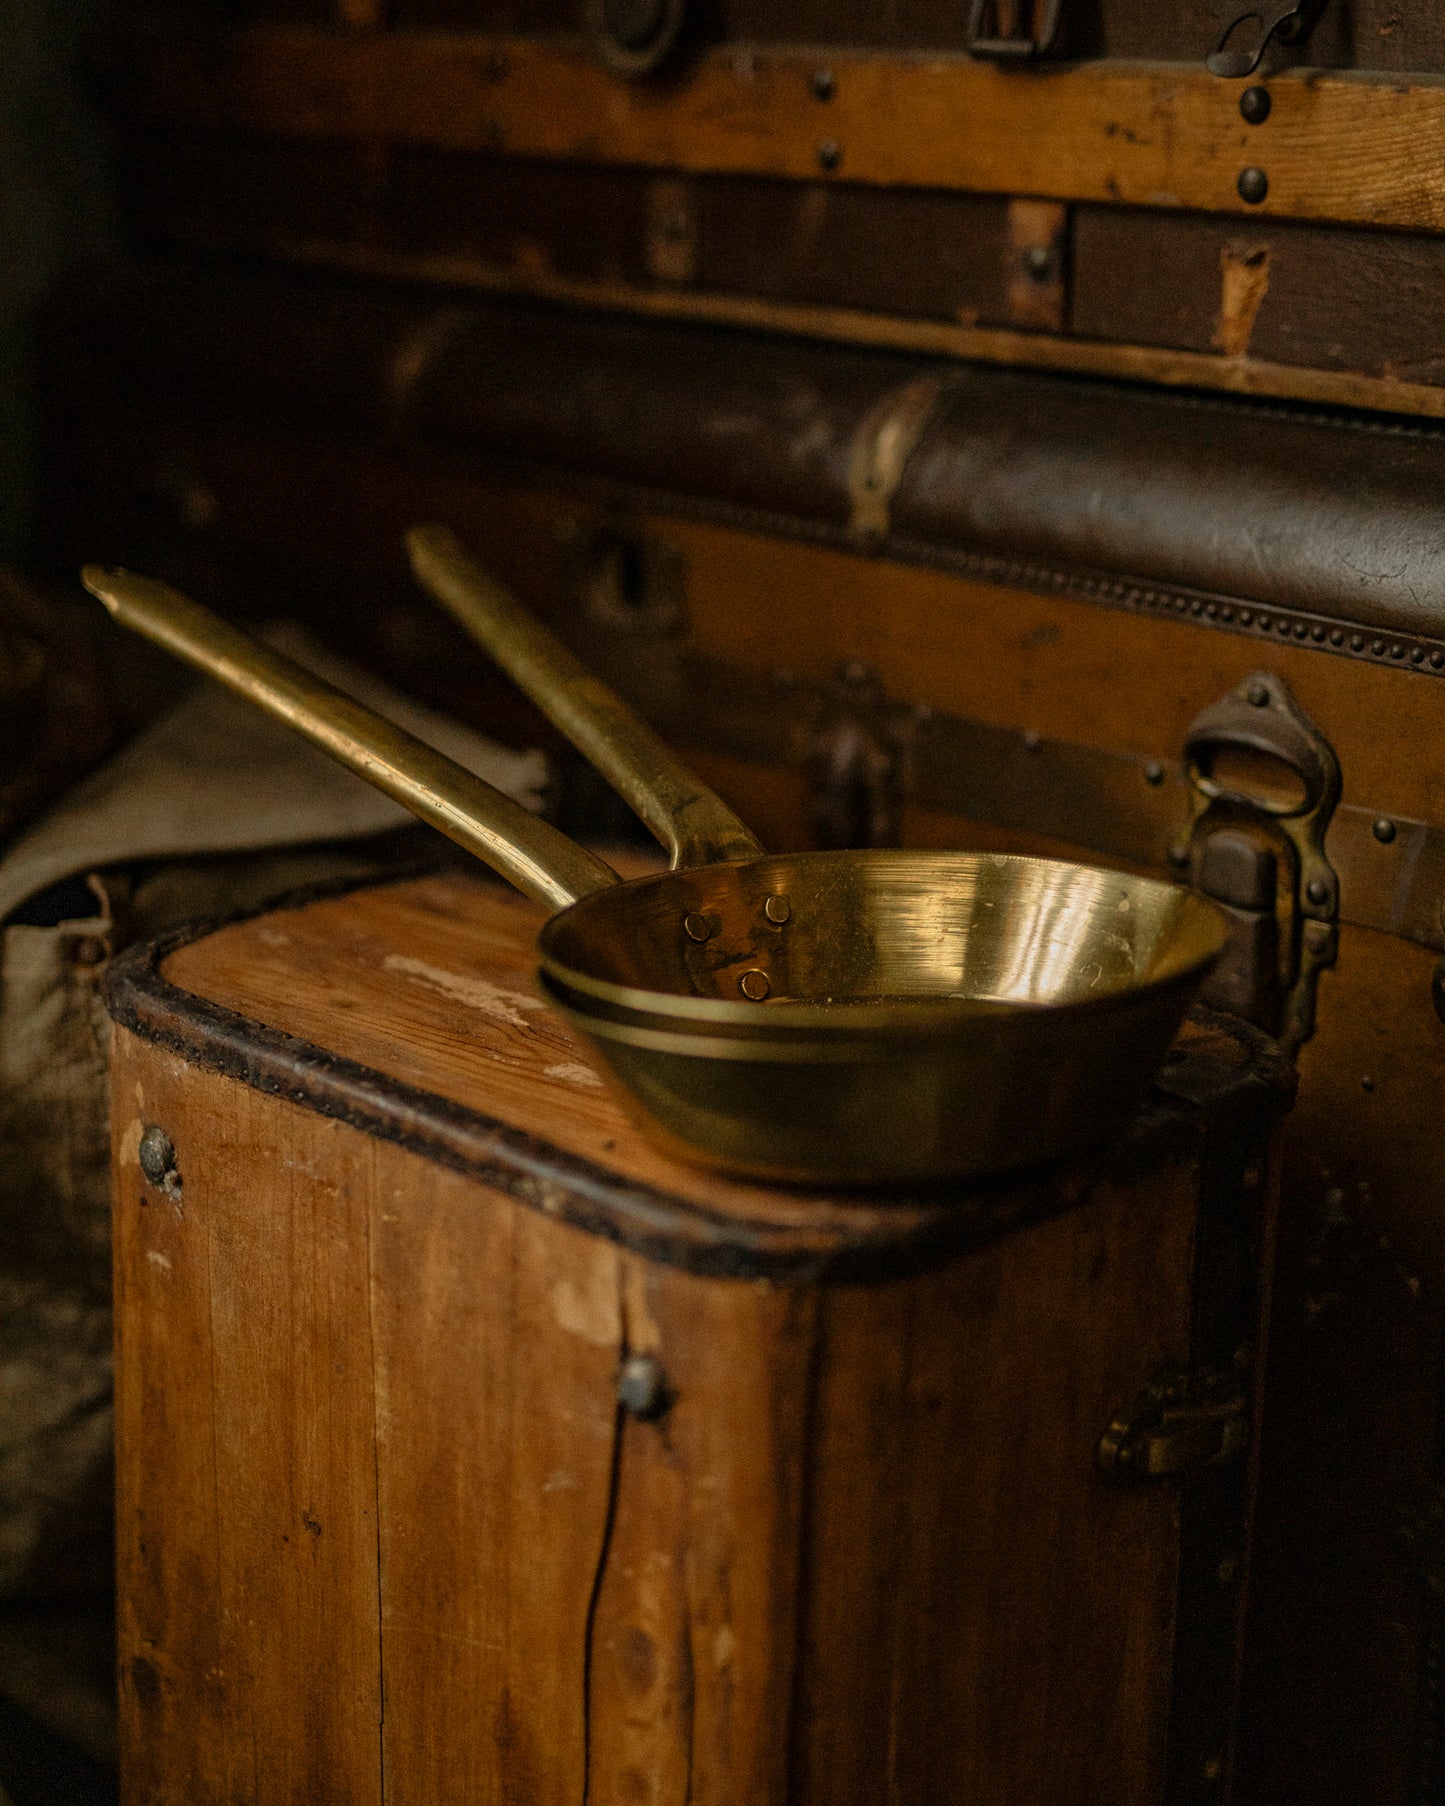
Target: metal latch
{"type": "Point", "coordinates": [1181, 1423]}
{"type": "Point", "coordinates": [857, 760]}
{"type": "Point", "coordinates": [1264, 783]}
{"type": "Point", "coordinates": [634, 37]}
{"type": "Point", "coordinates": [1248, 33]}
{"type": "Point", "coordinates": [1013, 31]}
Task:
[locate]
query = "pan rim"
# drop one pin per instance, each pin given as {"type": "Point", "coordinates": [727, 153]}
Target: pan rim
{"type": "Point", "coordinates": [925, 1015]}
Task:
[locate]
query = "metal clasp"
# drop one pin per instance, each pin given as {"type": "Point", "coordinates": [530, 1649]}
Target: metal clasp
{"type": "Point", "coordinates": [857, 760]}
{"type": "Point", "coordinates": [1013, 31]}
{"type": "Point", "coordinates": [1181, 1423]}
{"type": "Point", "coordinates": [1249, 33]}
{"type": "Point", "coordinates": [1258, 850]}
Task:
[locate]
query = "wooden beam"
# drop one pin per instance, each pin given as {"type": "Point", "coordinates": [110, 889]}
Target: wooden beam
{"type": "Point", "coordinates": [1335, 146]}
{"type": "Point", "coordinates": [845, 325]}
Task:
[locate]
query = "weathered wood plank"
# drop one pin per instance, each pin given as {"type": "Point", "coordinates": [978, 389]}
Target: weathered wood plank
{"type": "Point", "coordinates": [1335, 147]}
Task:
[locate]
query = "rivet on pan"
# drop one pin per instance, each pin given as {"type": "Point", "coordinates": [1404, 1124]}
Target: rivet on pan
{"type": "Point", "coordinates": [1259, 695]}
{"type": "Point", "coordinates": [1317, 891]}
{"type": "Point", "coordinates": [696, 927]}
{"type": "Point", "coordinates": [754, 986]}
{"type": "Point", "coordinates": [830, 154]}
{"type": "Point", "coordinates": [1384, 830]}
{"type": "Point", "coordinates": [1436, 660]}
{"type": "Point", "coordinates": [1153, 772]}
{"type": "Point", "coordinates": [825, 84]}
{"type": "Point", "coordinates": [777, 909]}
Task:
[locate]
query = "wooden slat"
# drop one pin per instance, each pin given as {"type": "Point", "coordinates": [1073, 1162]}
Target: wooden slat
{"type": "Point", "coordinates": [1242, 375]}
{"type": "Point", "coordinates": [1335, 147]}
{"type": "Point", "coordinates": [493, 1503]}
{"type": "Point", "coordinates": [247, 1474]}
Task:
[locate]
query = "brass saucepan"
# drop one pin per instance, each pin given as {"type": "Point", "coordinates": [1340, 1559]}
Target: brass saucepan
{"type": "Point", "coordinates": [844, 1018]}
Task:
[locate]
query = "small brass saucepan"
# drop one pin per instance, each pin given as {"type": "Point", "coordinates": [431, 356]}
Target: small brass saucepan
{"type": "Point", "coordinates": [868, 1018]}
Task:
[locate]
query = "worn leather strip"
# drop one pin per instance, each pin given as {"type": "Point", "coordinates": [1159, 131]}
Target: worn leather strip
{"type": "Point", "coordinates": [1264, 520]}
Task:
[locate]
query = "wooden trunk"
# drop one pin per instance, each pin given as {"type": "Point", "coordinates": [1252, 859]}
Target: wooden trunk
{"type": "Point", "coordinates": [866, 173]}
{"type": "Point", "coordinates": [388, 1526]}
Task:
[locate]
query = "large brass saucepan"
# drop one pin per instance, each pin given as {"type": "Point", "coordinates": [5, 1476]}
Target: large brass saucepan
{"type": "Point", "coordinates": [849, 1018]}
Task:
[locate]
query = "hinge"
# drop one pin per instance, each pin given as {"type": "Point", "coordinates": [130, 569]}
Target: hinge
{"type": "Point", "coordinates": [1180, 1424]}
{"type": "Point", "coordinates": [1013, 31]}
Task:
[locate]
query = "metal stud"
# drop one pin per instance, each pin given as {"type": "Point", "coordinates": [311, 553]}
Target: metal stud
{"type": "Point", "coordinates": [1040, 261]}
{"type": "Point", "coordinates": [1437, 659]}
{"type": "Point", "coordinates": [1255, 104]}
{"type": "Point", "coordinates": [830, 154]}
{"type": "Point", "coordinates": [1317, 891]}
{"type": "Point", "coordinates": [1259, 695]}
{"type": "Point", "coordinates": [754, 985]}
{"type": "Point", "coordinates": [825, 84]}
{"type": "Point", "coordinates": [1253, 185]}
{"type": "Point", "coordinates": [642, 1388]}
{"type": "Point", "coordinates": [157, 1155]}
{"type": "Point", "coordinates": [1154, 772]}
{"type": "Point", "coordinates": [1384, 830]}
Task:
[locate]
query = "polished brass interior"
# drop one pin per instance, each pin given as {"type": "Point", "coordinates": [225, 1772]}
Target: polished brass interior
{"type": "Point", "coordinates": [872, 935]}
{"type": "Point", "coordinates": [876, 1018]}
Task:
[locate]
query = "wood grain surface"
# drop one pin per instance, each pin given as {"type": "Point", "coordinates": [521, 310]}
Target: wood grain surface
{"type": "Point", "coordinates": [371, 1457]}
{"type": "Point", "coordinates": [1336, 146]}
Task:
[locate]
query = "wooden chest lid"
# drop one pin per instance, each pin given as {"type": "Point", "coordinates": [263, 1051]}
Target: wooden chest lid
{"type": "Point", "coordinates": [408, 1010]}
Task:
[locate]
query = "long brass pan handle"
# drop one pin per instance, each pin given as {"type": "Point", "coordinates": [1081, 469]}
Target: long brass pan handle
{"type": "Point", "coordinates": [529, 853]}
{"type": "Point", "coordinates": [695, 826]}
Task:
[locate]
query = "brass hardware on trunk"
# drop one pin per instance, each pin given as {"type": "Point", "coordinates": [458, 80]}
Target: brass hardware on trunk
{"type": "Point", "coordinates": [1248, 34]}
{"type": "Point", "coordinates": [1264, 786]}
{"type": "Point", "coordinates": [856, 764]}
{"type": "Point", "coordinates": [886, 438]}
{"type": "Point", "coordinates": [1180, 1424]}
{"type": "Point", "coordinates": [634, 37]}
{"type": "Point", "coordinates": [630, 579]}
{"type": "Point", "coordinates": [1013, 31]}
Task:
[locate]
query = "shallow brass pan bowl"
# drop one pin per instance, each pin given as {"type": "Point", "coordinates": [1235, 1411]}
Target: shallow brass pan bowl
{"type": "Point", "coordinates": [865, 1018]}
